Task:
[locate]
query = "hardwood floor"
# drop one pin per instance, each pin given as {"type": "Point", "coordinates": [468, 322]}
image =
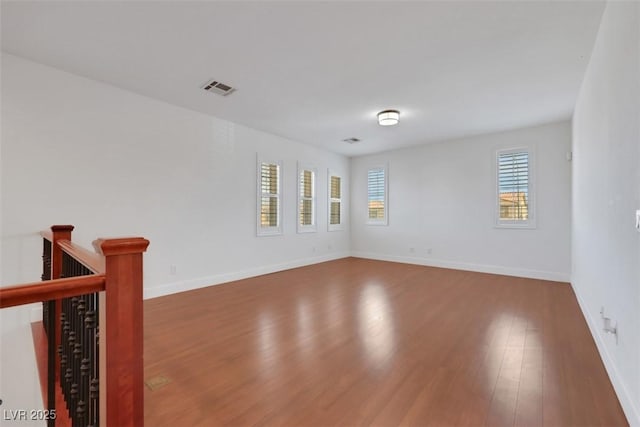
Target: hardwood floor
{"type": "Point", "coordinates": [361, 342]}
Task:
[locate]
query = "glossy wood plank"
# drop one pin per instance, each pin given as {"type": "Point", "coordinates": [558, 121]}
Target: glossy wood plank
{"type": "Point", "coordinates": [361, 342]}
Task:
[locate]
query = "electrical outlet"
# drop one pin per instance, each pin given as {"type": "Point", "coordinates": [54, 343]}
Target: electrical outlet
{"type": "Point", "coordinates": [172, 269]}
{"type": "Point", "coordinates": [638, 220]}
{"type": "Point", "coordinates": [429, 251]}
{"type": "Point", "coordinates": [412, 250]}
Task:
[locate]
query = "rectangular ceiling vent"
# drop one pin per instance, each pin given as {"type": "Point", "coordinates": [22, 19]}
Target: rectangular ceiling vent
{"type": "Point", "coordinates": [351, 140]}
{"type": "Point", "coordinates": [216, 87]}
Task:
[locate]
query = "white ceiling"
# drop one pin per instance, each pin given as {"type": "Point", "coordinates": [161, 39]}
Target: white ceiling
{"type": "Point", "coordinates": [318, 72]}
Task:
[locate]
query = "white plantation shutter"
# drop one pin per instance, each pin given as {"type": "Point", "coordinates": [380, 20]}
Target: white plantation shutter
{"type": "Point", "coordinates": [514, 179]}
{"type": "Point", "coordinates": [269, 215]}
{"type": "Point", "coordinates": [306, 200]}
{"type": "Point", "coordinates": [377, 195]}
{"type": "Point", "coordinates": [335, 202]}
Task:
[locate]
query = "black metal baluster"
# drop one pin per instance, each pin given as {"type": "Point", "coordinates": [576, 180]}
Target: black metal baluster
{"type": "Point", "coordinates": [79, 350]}
{"type": "Point", "coordinates": [77, 328]}
{"type": "Point", "coordinates": [75, 362]}
{"type": "Point", "coordinates": [51, 364]}
{"type": "Point", "coordinates": [65, 363]}
{"type": "Point", "coordinates": [95, 381]}
{"type": "Point", "coordinates": [46, 260]}
{"type": "Point", "coordinates": [90, 326]}
{"type": "Point", "coordinates": [46, 275]}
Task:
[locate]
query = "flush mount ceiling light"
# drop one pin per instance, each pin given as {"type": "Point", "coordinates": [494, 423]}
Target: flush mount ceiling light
{"type": "Point", "coordinates": [388, 117]}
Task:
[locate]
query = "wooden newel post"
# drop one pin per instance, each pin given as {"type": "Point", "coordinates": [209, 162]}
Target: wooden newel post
{"type": "Point", "coordinates": [121, 337]}
{"type": "Point", "coordinates": [59, 232]}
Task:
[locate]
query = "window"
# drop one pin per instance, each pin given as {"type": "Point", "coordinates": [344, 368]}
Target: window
{"type": "Point", "coordinates": [306, 199]}
{"type": "Point", "coordinates": [269, 198]}
{"type": "Point", "coordinates": [514, 184]}
{"type": "Point", "coordinates": [335, 202]}
{"type": "Point", "coordinates": [377, 205]}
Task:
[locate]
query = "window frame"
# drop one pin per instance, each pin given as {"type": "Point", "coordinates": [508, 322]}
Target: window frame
{"type": "Point", "coordinates": [272, 230]}
{"type": "Point", "coordinates": [385, 220]}
{"type": "Point", "coordinates": [340, 225]}
{"type": "Point", "coordinates": [313, 227]}
{"type": "Point", "coordinates": [529, 223]}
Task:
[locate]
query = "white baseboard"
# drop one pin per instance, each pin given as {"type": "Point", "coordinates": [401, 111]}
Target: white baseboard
{"type": "Point", "coordinates": [481, 268]}
{"type": "Point", "coordinates": [202, 282]}
{"type": "Point", "coordinates": [631, 409]}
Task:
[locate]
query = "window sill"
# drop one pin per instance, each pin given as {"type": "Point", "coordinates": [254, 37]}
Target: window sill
{"type": "Point", "coordinates": [527, 226]}
{"type": "Point", "coordinates": [269, 233]}
{"type": "Point", "coordinates": [302, 230]}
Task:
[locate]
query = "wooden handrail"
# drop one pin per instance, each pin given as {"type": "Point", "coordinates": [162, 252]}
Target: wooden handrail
{"type": "Point", "coordinates": [113, 389]}
{"type": "Point", "coordinates": [47, 234]}
{"type": "Point", "coordinates": [91, 260]}
{"type": "Point", "coordinates": [51, 290]}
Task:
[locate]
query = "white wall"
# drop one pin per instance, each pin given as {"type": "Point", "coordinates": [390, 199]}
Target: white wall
{"type": "Point", "coordinates": [137, 166]}
{"type": "Point", "coordinates": [442, 198]}
{"type": "Point", "coordinates": [606, 194]}
{"type": "Point", "coordinates": [115, 163]}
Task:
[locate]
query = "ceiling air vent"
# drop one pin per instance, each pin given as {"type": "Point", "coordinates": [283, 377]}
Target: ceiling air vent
{"type": "Point", "coordinates": [351, 140]}
{"type": "Point", "coordinates": [215, 86]}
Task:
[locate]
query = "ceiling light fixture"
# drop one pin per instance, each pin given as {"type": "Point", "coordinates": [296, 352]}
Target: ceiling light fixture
{"type": "Point", "coordinates": [388, 117]}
